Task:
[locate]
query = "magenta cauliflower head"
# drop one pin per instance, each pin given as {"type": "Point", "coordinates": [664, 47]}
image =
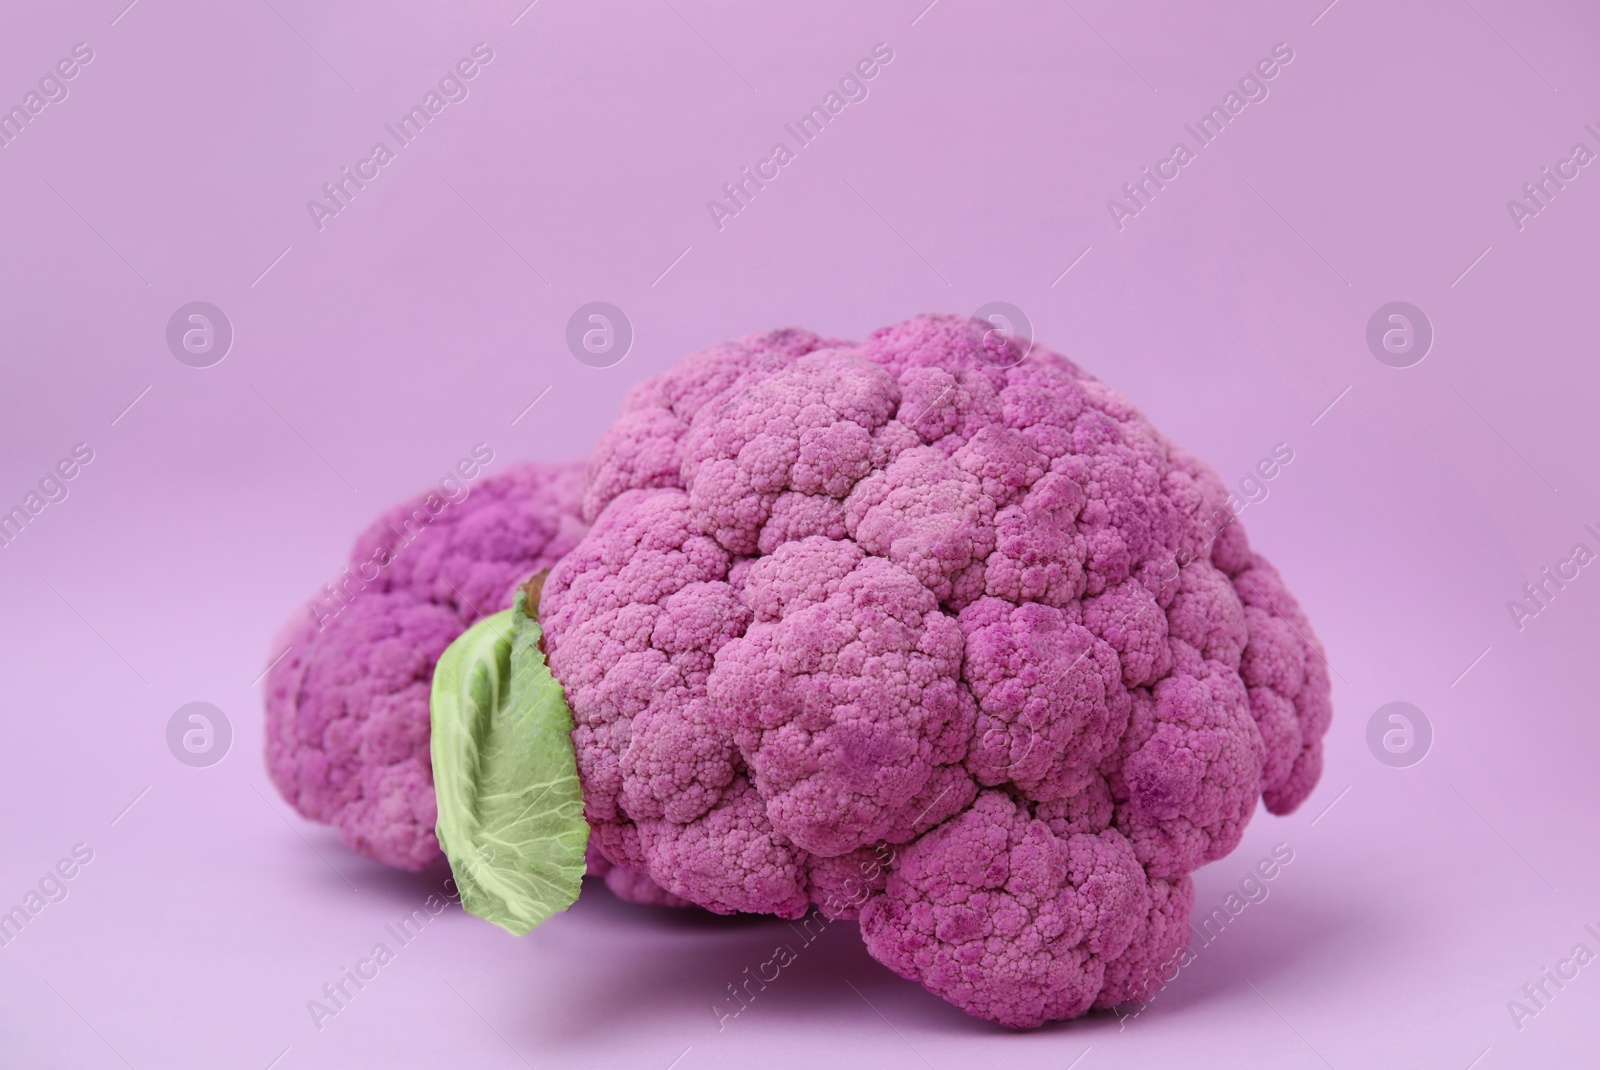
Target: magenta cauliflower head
{"type": "Point", "coordinates": [347, 724]}
{"type": "Point", "coordinates": [935, 634]}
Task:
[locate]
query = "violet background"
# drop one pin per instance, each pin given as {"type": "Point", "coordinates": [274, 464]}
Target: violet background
{"type": "Point", "coordinates": [416, 324]}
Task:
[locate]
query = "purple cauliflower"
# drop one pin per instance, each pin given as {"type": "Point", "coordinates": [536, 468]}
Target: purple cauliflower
{"type": "Point", "coordinates": [932, 633]}
{"type": "Point", "coordinates": [347, 706]}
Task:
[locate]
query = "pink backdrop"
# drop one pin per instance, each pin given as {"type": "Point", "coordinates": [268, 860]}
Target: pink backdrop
{"type": "Point", "coordinates": [575, 165]}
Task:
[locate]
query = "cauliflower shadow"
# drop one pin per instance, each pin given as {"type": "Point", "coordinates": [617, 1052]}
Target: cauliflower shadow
{"type": "Point", "coordinates": [605, 908]}
{"type": "Point", "coordinates": [330, 867]}
{"type": "Point", "coordinates": [1267, 942]}
{"type": "Point", "coordinates": [396, 889]}
{"type": "Point", "coordinates": [680, 962]}
{"type": "Point", "coordinates": [682, 968]}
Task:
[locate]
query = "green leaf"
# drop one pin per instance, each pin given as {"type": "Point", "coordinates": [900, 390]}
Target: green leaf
{"type": "Point", "coordinates": [510, 806]}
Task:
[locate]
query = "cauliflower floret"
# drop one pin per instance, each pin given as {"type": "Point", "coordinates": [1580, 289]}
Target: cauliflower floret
{"type": "Point", "coordinates": [347, 724]}
{"type": "Point", "coordinates": [843, 695]}
{"type": "Point", "coordinates": [1006, 919]}
{"type": "Point", "coordinates": [472, 555]}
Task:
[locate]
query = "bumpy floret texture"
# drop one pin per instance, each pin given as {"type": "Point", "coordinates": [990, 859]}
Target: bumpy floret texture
{"type": "Point", "coordinates": [347, 724]}
{"type": "Point", "coordinates": [347, 706]}
{"type": "Point", "coordinates": [935, 633]}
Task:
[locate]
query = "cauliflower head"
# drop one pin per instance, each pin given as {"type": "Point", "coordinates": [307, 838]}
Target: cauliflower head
{"type": "Point", "coordinates": [934, 602]}
{"type": "Point", "coordinates": [347, 723]}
